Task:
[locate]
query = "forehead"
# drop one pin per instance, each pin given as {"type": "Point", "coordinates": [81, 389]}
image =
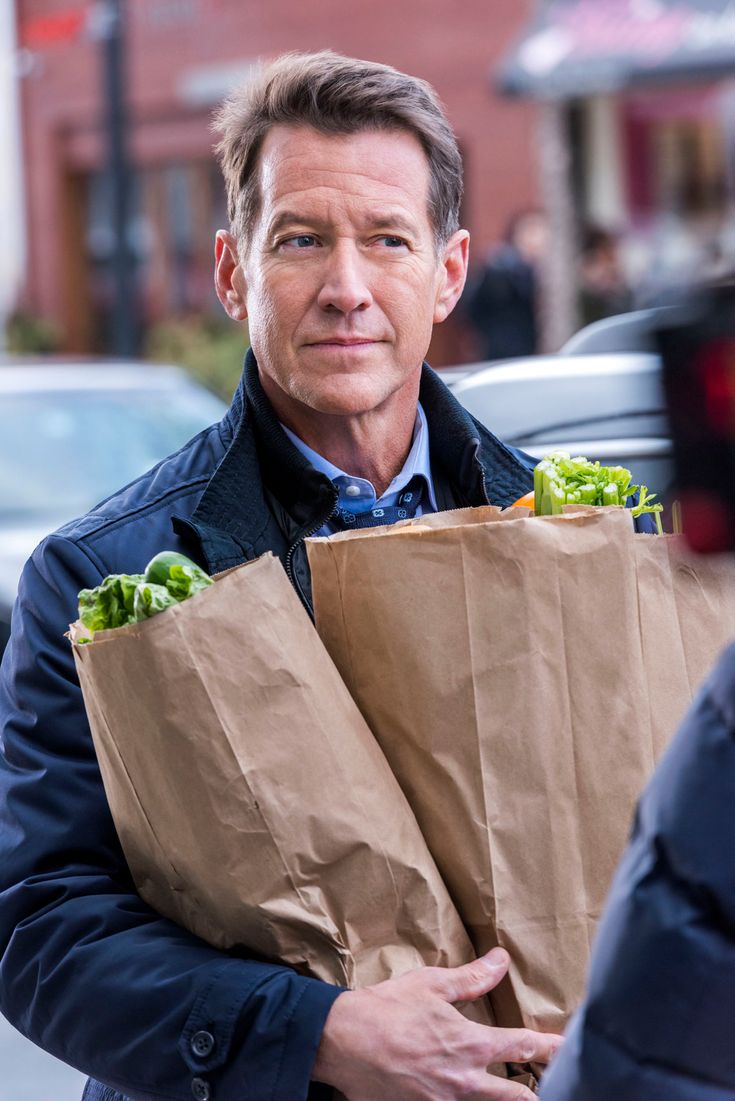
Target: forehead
{"type": "Point", "coordinates": [297, 163]}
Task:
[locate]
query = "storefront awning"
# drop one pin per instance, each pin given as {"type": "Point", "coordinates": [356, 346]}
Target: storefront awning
{"type": "Point", "coordinates": [575, 48]}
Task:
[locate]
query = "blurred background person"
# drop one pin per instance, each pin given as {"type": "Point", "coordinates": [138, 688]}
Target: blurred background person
{"type": "Point", "coordinates": [501, 304]}
{"type": "Point", "coordinates": [603, 288]}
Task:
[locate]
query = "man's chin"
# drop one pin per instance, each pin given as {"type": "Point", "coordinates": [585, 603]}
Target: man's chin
{"type": "Point", "coordinates": [348, 398]}
{"type": "Point", "coordinates": [341, 393]}
{"type": "Point", "coordinates": [337, 408]}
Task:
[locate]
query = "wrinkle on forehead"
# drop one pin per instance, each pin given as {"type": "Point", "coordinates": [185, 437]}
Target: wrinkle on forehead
{"type": "Point", "coordinates": [338, 192]}
{"type": "Point", "coordinates": [343, 165]}
{"type": "Point", "coordinates": [281, 172]}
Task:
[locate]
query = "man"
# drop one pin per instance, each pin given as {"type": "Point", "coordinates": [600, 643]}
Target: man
{"type": "Point", "coordinates": [344, 184]}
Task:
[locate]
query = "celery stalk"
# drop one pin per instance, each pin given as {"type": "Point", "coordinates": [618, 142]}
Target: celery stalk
{"type": "Point", "coordinates": [561, 479]}
{"type": "Point", "coordinates": [557, 498]}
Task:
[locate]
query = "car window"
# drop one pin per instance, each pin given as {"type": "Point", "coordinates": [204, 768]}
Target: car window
{"type": "Point", "coordinates": [61, 452]}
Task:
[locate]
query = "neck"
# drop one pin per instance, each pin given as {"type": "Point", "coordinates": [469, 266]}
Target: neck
{"type": "Point", "coordinates": [372, 445]}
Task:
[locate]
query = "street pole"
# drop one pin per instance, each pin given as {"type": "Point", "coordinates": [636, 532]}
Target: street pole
{"type": "Point", "coordinates": [12, 211]}
{"type": "Point", "coordinates": [124, 322]}
{"type": "Point", "coordinates": [559, 310]}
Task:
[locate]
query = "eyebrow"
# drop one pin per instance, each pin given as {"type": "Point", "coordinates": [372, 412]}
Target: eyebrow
{"type": "Point", "coordinates": [286, 218]}
{"type": "Point", "coordinates": [381, 220]}
{"type": "Point", "coordinates": [390, 220]}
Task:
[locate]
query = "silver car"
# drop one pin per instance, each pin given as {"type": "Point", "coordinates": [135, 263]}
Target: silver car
{"type": "Point", "coordinates": [601, 397]}
{"type": "Point", "coordinates": [606, 407]}
{"type": "Point", "coordinates": [72, 433]}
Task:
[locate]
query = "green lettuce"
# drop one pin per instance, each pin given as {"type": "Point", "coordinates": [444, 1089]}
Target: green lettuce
{"type": "Point", "coordinates": [123, 598]}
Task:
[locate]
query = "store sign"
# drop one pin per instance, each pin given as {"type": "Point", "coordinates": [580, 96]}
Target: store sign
{"type": "Point", "coordinates": [579, 47]}
{"type": "Point", "coordinates": [41, 31]}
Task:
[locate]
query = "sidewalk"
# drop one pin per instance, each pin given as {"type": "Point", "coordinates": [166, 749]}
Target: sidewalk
{"type": "Point", "coordinates": [29, 1074]}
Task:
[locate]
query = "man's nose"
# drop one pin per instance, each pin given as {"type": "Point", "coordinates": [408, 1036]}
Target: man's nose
{"type": "Point", "coordinates": [345, 286]}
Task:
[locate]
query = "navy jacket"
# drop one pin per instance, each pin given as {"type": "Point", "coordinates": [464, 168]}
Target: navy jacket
{"type": "Point", "coordinates": [658, 1020]}
{"type": "Point", "coordinates": [87, 970]}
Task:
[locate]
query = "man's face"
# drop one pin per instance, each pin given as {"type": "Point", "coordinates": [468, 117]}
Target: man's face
{"type": "Point", "coordinates": [340, 280]}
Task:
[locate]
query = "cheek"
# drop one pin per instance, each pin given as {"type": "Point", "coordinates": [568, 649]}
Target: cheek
{"type": "Point", "coordinates": [409, 300]}
{"type": "Point", "coordinates": [276, 305]}
{"type": "Point", "coordinates": [413, 319]}
{"type": "Point", "coordinates": [268, 318]}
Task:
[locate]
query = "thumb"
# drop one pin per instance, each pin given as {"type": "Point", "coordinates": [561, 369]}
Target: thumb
{"type": "Point", "coordinates": [472, 980]}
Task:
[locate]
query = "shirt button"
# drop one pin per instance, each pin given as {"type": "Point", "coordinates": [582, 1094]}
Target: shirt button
{"type": "Point", "coordinates": [353, 491]}
{"type": "Point", "coordinates": [202, 1044]}
{"type": "Point", "coordinates": [200, 1089]}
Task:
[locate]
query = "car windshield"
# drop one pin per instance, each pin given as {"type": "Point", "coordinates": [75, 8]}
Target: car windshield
{"type": "Point", "coordinates": [63, 451]}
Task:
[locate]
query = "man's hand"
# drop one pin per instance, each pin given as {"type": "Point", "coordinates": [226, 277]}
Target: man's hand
{"type": "Point", "coordinates": [404, 1040]}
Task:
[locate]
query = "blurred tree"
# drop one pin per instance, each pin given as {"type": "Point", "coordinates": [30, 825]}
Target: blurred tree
{"type": "Point", "coordinates": [27, 334]}
{"type": "Point", "coordinates": [211, 349]}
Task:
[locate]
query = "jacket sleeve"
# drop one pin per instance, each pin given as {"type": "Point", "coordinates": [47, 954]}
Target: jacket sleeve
{"type": "Point", "coordinates": [657, 1019]}
{"type": "Point", "coordinates": [87, 970]}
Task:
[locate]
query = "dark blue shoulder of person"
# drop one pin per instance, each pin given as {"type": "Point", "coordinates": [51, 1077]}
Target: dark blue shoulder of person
{"type": "Point", "coordinates": [656, 1023]}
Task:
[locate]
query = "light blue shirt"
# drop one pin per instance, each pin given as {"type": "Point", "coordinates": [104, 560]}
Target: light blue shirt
{"type": "Point", "coordinates": [357, 494]}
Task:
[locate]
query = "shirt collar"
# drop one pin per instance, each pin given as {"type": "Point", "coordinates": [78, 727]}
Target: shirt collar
{"type": "Point", "coordinates": [417, 462]}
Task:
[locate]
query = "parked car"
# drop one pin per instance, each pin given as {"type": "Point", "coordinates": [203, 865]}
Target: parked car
{"type": "Point", "coordinates": [72, 433]}
{"type": "Point", "coordinates": [608, 407]}
{"type": "Point", "coordinates": [602, 396]}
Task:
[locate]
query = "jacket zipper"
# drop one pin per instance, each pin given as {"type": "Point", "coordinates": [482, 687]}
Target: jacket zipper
{"type": "Point", "coordinates": [481, 468]}
{"type": "Point", "coordinates": [294, 547]}
{"type": "Point", "coordinates": [483, 482]}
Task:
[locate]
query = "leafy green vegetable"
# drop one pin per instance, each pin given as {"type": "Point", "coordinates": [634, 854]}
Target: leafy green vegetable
{"type": "Point", "coordinates": [562, 480]}
{"type": "Point", "coordinates": [180, 576]}
{"type": "Point", "coordinates": [158, 569]}
{"type": "Point", "coordinates": [151, 599]}
{"type": "Point", "coordinates": [111, 603]}
{"type": "Point", "coordinates": [123, 598]}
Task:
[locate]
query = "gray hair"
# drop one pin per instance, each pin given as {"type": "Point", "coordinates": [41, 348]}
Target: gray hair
{"type": "Point", "coordinates": [334, 95]}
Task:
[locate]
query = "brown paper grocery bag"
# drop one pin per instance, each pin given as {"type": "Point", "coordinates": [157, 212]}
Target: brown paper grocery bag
{"type": "Point", "coordinates": [512, 673]}
{"type": "Point", "coordinates": [687, 616]}
{"type": "Point", "coordinates": [251, 800]}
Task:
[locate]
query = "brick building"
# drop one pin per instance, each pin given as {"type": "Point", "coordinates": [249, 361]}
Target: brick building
{"type": "Point", "coordinates": [183, 56]}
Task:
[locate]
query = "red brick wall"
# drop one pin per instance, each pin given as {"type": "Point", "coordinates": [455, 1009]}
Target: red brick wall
{"type": "Point", "coordinates": [452, 43]}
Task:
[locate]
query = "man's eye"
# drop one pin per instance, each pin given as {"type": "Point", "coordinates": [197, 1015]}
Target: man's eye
{"type": "Point", "coordinates": [300, 241]}
{"type": "Point", "coordinates": [392, 242]}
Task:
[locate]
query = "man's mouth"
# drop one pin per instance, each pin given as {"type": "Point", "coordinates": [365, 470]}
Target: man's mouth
{"type": "Point", "coordinates": [342, 342]}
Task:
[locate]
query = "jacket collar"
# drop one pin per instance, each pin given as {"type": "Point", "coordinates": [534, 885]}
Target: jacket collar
{"type": "Point", "coordinates": [481, 468]}
{"type": "Point", "coordinates": [302, 490]}
{"type": "Point", "coordinates": [234, 520]}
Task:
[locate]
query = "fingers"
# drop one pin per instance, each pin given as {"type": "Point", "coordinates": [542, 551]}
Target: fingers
{"type": "Point", "coordinates": [508, 1091]}
{"type": "Point", "coordinates": [471, 980]}
{"type": "Point", "coordinates": [521, 1045]}
{"type": "Point", "coordinates": [489, 1088]}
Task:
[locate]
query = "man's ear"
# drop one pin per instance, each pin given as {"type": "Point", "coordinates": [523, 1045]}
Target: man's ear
{"type": "Point", "coordinates": [229, 278]}
{"type": "Point", "coordinates": [453, 274]}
